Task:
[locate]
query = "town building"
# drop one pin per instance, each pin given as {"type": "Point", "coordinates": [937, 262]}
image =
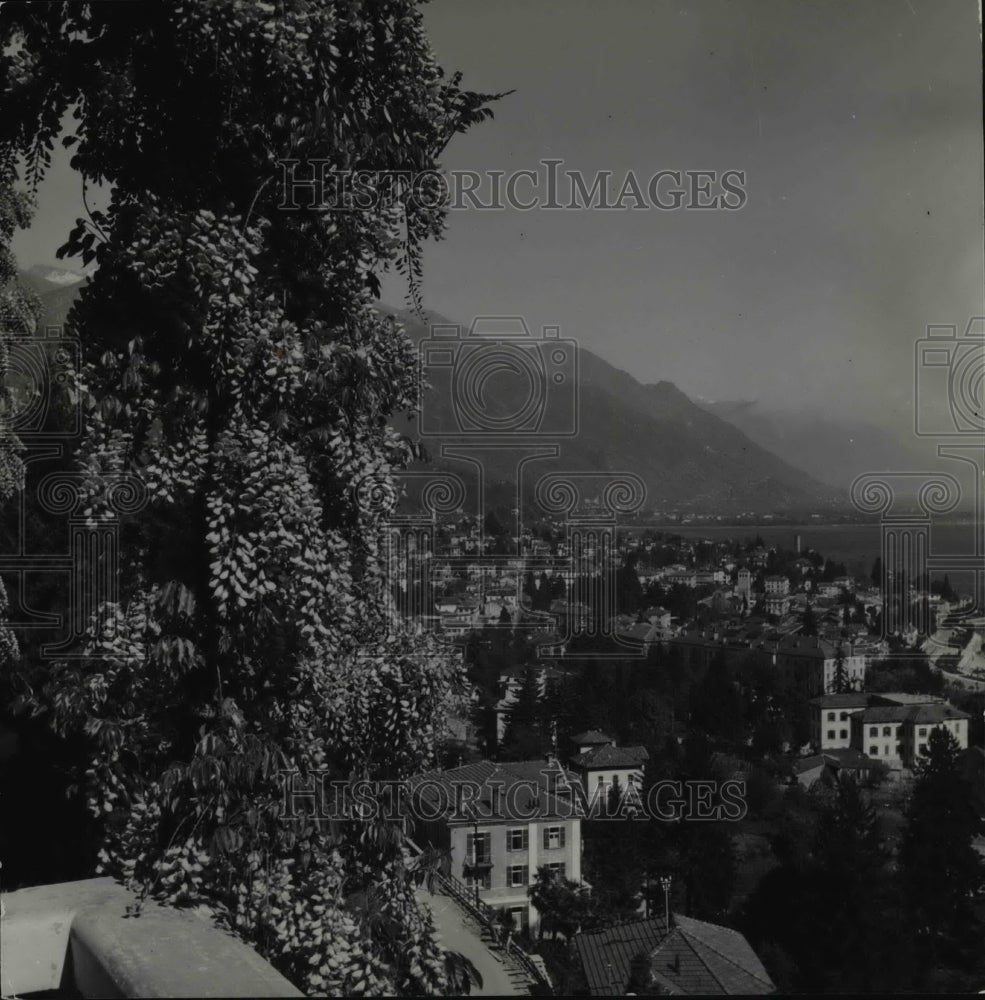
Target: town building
{"type": "Point", "coordinates": [831, 719]}
{"type": "Point", "coordinates": [829, 766]}
{"type": "Point", "coordinates": [600, 763]}
{"type": "Point", "coordinates": [777, 604]}
{"type": "Point", "coordinates": [897, 734]}
{"type": "Point", "coordinates": [889, 727]}
{"type": "Point", "coordinates": [657, 616]}
{"type": "Point", "coordinates": [813, 662]}
{"type": "Point", "coordinates": [500, 823]}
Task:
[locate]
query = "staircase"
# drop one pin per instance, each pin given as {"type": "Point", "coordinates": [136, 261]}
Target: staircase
{"type": "Point", "coordinates": [524, 971]}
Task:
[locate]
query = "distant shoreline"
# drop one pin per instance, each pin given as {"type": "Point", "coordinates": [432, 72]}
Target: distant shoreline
{"type": "Point", "coordinates": [776, 525]}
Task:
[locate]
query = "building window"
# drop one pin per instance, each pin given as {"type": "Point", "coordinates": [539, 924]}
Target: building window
{"type": "Point", "coordinates": [844, 716]}
{"type": "Point", "coordinates": [844, 734]}
{"type": "Point", "coordinates": [922, 731]}
{"type": "Point", "coordinates": [517, 875]}
{"type": "Point", "coordinates": [831, 717]}
{"type": "Point", "coordinates": [556, 869]}
{"type": "Point", "coordinates": [831, 734]}
{"type": "Point", "coordinates": [873, 730]}
{"type": "Point", "coordinates": [483, 881]}
{"type": "Point", "coordinates": [923, 748]}
{"type": "Point", "coordinates": [519, 915]}
{"type": "Point", "coordinates": [517, 839]}
{"type": "Point", "coordinates": [553, 837]}
{"type": "Point", "coordinates": [886, 731]}
{"type": "Point", "coordinates": [873, 751]}
{"type": "Point", "coordinates": [478, 850]}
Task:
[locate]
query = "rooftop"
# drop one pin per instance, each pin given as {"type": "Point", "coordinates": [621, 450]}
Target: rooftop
{"type": "Point", "coordinates": [610, 756]}
{"type": "Point", "coordinates": [591, 737]}
{"type": "Point", "coordinates": [925, 714]}
{"type": "Point", "coordinates": [482, 791]}
{"type": "Point", "coordinates": [850, 700]}
{"type": "Point", "coordinates": [694, 957]}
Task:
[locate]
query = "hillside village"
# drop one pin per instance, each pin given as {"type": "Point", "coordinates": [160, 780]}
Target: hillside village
{"type": "Point", "coordinates": [731, 660]}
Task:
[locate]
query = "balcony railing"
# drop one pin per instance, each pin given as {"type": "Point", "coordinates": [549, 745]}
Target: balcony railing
{"type": "Point", "coordinates": [468, 899]}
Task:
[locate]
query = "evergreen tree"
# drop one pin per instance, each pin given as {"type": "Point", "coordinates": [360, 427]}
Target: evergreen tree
{"type": "Point", "coordinates": [840, 680]}
{"type": "Point", "coordinates": [809, 626]}
{"type": "Point", "coordinates": [523, 737]}
{"type": "Point", "coordinates": [716, 706]}
{"type": "Point", "coordinates": [941, 871]}
{"type": "Point", "coordinates": [530, 589]}
{"type": "Point", "coordinates": [839, 891]}
{"type": "Point", "coordinates": [876, 575]}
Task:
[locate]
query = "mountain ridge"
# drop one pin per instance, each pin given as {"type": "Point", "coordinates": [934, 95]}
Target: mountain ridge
{"type": "Point", "coordinates": [689, 458]}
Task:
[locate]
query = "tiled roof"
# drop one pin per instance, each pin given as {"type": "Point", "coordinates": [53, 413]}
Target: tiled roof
{"type": "Point", "coordinates": [606, 955]}
{"type": "Point", "coordinates": [933, 714]}
{"type": "Point", "coordinates": [884, 713]}
{"type": "Point", "coordinates": [609, 756]}
{"type": "Point", "coordinates": [849, 757]}
{"type": "Point", "coordinates": [846, 757]}
{"type": "Point", "coordinates": [443, 790]}
{"type": "Point", "coordinates": [850, 700]}
{"type": "Point", "coordinates": [695, 957]}
{"type": "Point", "coordinates": [804, 764]}
{"type": "Point", "coordinates": [811, 646]}
{"type": "Point", "coordinates": [902, 698]}
{"type": "Point", "coordinates": [726, 954]}
{"type": "Point", "coordinates": [591, 737]}
{"type": "Point", "coordinates": [641, 631]}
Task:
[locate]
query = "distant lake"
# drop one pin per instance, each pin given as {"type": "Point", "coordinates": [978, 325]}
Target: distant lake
{"type": "Point", "coordinates": [856, 545]}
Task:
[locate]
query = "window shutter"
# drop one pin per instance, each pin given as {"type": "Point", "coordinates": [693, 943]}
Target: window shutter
{"type": "Point", "coordinates": [547, 839]}
{"type": "Point", "coordinates": [561, 841]}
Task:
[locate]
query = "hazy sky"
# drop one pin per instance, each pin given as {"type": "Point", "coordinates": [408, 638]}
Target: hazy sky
{"type": "Point", "coordinates": [858, 124]}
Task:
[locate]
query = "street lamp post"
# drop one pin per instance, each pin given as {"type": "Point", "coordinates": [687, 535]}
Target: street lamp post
{"type": "Point", "coordinates": [665, 882]}
{"type": "Point", "coordinates": [475, 856]}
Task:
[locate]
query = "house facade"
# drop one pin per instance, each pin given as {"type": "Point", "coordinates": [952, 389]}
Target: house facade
{"type": "Point", "coordinates": [831, 719]}
{"type": "Point", "coordinates": [898, 734]}
{"type": "Point", "coordinates": [500, 823]}
{"type": "Point", "coordinates": [600, 764]}
{"type": "Point", "coordinates": [890, 727]}
{"type": "Point", "coordinates": [813, 662]}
